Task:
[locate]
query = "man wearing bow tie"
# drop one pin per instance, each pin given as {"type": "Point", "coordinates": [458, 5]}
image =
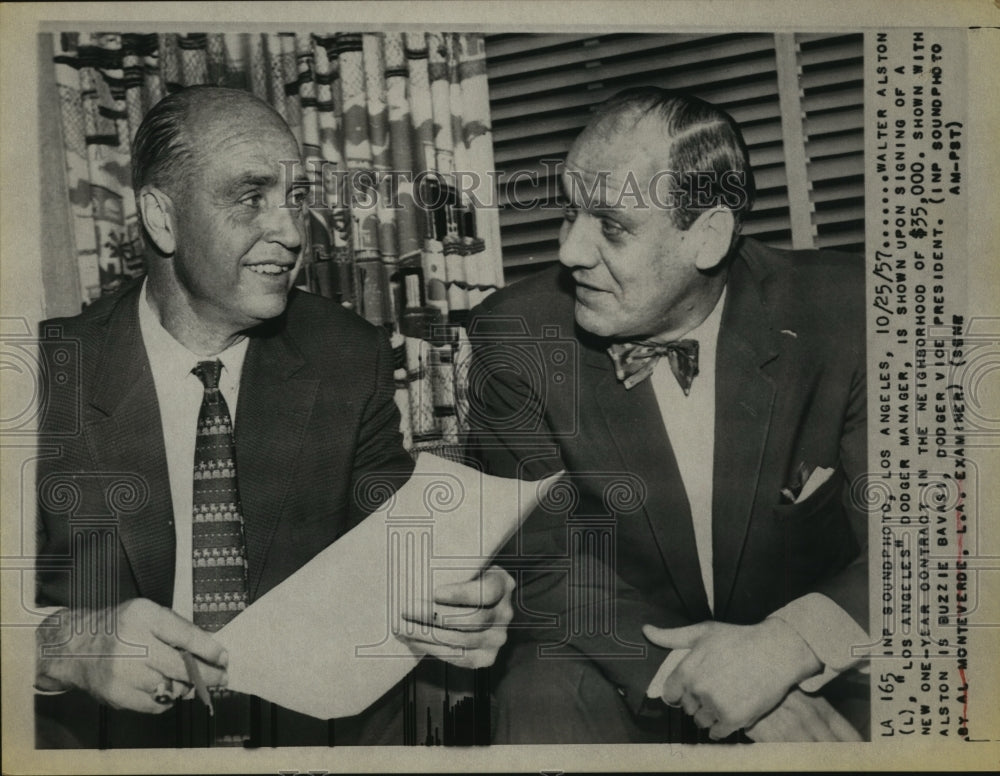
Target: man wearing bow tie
{"type": "Point", "coordinates": [723, 383]}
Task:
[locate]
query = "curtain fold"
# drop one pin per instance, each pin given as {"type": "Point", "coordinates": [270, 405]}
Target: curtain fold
{"type": "Point", "coordinates": [395, 134]}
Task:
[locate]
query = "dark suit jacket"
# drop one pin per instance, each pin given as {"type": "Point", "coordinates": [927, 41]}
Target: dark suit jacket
{"type": "Point", "coordinates": [315, 414]}
{"type": "Point", "coordinates": [790, 388]}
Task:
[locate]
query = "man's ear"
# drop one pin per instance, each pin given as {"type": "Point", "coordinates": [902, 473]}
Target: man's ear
{"type": "Point", "coordinates": [713, 236]}
{"type": "Point", "coordinates": [156, 208]}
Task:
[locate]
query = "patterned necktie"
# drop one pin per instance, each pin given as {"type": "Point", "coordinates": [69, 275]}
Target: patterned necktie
{"type": "Point", "coordinates": [635, 361]}
{"type": "Point", "coordinates": [219, 547]}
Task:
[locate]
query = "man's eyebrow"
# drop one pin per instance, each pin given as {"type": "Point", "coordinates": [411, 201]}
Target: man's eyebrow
{"type": "Point", "coordinates": [590, 198]}
{"type": "Point", "coordinates": [585, 201]}
{"type": "Point", "coordinates": [251, 181]}
{"type": "Point", "coordinates": [600, 209]}
{"type": "Point", "coordinates": [618, 212]}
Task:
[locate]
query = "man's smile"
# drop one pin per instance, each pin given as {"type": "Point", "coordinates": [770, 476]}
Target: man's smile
{"type": "Point", "coordinates": [270, 268]}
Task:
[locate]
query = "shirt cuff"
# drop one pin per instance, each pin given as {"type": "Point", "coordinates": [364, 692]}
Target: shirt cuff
{"type": "Point", "coordinates": [828, 630]}
{"type": "Point", "coordinates": [47, 611]}
{"type": "Point", "coordinates": [42, 691]}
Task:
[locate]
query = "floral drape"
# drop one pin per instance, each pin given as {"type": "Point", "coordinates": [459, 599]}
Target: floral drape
{"type": "Point", "coordinates": [395, 132]}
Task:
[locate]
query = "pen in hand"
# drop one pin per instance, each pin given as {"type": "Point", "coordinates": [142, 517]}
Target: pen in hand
{"type": "Point", "coordinates": [194, 674]}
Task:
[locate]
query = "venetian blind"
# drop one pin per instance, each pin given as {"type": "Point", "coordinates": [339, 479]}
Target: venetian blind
{"type": "Point", "coordinates": [543, 87]}
{"type": "Point", "coordinates": [832, 87]}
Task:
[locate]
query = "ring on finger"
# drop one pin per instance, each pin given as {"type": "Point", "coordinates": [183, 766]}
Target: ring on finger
{"type": "Point", "coordinates": [163, 694]}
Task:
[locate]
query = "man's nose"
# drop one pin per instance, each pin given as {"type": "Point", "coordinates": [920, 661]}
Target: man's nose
{"type": "Point", "coordinates": [286, 225]}
{"type": "Point", "coordinates": [576, 243]}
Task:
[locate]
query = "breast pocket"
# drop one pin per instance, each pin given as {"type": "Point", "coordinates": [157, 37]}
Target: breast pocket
{"type": "Point", "coordinates": [816, 532]}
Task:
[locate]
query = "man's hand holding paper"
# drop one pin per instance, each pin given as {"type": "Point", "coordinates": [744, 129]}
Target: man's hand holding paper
{"type": "Point", "coordinates": [466, 623]}
{"type": "Point", "coordinates": [420, 553]}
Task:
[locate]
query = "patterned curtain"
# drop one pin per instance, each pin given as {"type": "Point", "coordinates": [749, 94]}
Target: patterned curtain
{"type": "Point", "coordinates": [403, 115]}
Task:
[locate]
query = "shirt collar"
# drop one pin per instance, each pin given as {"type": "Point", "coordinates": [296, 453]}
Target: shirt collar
{"type": "Point", "coordinates": [168, 355]}
{"type": "Point", "coordinates": [707, 332]}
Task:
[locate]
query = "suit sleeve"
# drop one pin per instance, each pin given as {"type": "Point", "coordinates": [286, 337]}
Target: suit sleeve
{"type": "Point", "coordinates": [834, 617]}
{"type": "Point", "coordinates": [567, 600]}
{"type": "Point", "coordinates": [381, 464]}
{"type": "Point", "coordinates": [849, 588]}
{"type": "Point", "coordinates": [62, 457]}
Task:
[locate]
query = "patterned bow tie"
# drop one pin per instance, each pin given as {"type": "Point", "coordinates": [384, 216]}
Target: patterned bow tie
{"type": "Point", "coordinates": [635, 361]}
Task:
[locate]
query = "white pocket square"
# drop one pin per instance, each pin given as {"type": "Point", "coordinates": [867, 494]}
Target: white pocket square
{"type": "Point", "coordinates": [819, 475]}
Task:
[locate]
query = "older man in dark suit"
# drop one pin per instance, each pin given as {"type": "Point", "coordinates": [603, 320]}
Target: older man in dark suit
{"type": "Point", "coordinates": [723, 382]}
{"type": "Point", "coordinates": [223, 424]}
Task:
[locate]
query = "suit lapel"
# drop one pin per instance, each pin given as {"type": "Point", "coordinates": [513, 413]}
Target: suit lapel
{"type": "Point", "coordinates": [636, 427]}
{"type": "Point", "coordinates": [271, 420]}
{"type": "Point", "coordinates": [125, 435]}
{"type": "Point", "coordinates": [744, 399]}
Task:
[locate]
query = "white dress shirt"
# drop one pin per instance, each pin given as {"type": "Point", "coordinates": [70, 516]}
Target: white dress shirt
{"type": "Point", "coordinates": [690, 423]}
{"type": "Point", "coordinates": [179, 394]}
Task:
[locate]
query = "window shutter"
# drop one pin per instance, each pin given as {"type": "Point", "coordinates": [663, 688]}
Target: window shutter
{"type": "Point", "coordinates": [543, 88]}
{"type": "Point", "coordinates": [832, 78]}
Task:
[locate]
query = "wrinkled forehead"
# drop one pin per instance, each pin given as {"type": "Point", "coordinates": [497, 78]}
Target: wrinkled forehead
{"type": "Point", "coordinates": [614, 156]}
{"type": "Point", "coordinates": [228, 170]}
{"type": "Point", "coordinates": [229, 131]}
{"type": "Point", "coordinates": [215, 125]}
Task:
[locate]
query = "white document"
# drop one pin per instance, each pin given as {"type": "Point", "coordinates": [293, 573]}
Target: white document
{"type": "Point", "coordinates": [322, 642]}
